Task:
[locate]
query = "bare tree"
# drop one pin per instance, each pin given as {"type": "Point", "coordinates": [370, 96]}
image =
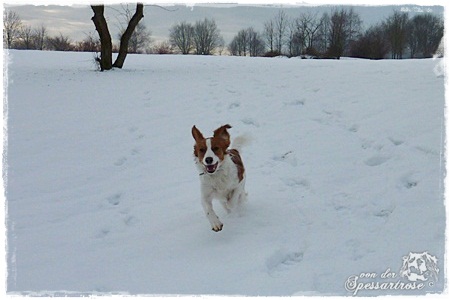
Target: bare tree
{"type": "Point", "coordinates": [372, 44]}
{"type": "Point", "coordinates": [299, 34]}
{"type": "Point", "coordinates": [313, 25]}
{"type": "Point", "coordinates": [89, 44]}
{"type": "Point", "coordinates": [239, 44]}
{"type": "Point", "coordinates": [233, 47]}
{"type": "Point", "coordinates": [247, 42]}
{"type": "Point", "coordinates": [396, 27]}
{"type": "Point", "coordinates": [269, 35]}
{"type": "Point", "coordinates": [105, 59]}
{"type": "Point", "coordinates": [281, 22]}
{"type": "Point", "coordinates": [181, 37]}
{"type": "Point", "coordinates": [337, 34]}
{"type": "Point", "coordinates": [244, 38]}
{"type": "Point", "coordinates": [206, 36]}
{"type": "Point", "coordinates": [140, 39]}
{"type": "Point", "coordinates": [39, 36]}
{"type": "Point", "coordinates": [126, 36]}
{"type": "Point", "coordinates": [345, 26]}
{"type": "Point", "coordinates": [305, 34]}
{"type": "Point", "coordinates": [26, 37]}
{"type": "Point", "coordinates": [353, 26]}
{"type": "Point", "coordinates": [425, 34]}
{"type": "Point", "coordinates": [255, 43]}
{"type": "Point", "coordinates": [11, 27]}
{"type": "Point", "coordinates": [141, 36]}
{"type": "Point", "coordinates": [59, 43]}
{"type": "Point", "coordinates": [294, 41]}
{"type": "Point", "coordinates": [323, 34]}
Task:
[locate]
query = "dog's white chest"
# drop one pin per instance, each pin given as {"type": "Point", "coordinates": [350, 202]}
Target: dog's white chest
{"type": "Point", "coordinates": [220, 183]}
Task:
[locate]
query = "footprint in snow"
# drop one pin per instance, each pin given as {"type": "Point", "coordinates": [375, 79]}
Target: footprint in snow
{"type": "Point", "coordinates": [382, 207]}
{"type": "Point", "coordinates": [231, 91]}
{"type": "Point", "coordinates": [384, 213]}
{"type": "Point", "coordinates": [250, 121]}
{"type": "Point", "coordinates": [298, 102]}
{"type": "Point", "coordinates": [114, 199]}
{"type": "Point", "coordinates": [371, 144]}
{"type": "Point", "coordinates": [281, 260]}
{"type": "Point", "coordinates": [130, 220]}
{"type": "Point", "coordinates": [135, 131]}
{"type": "Point", "coordinates": [395, 141]}
{"type": "Point", "coordinates": [288, 157]}
{"type": "Point", "coordinates": [376, 160]}
{"type": "Point", "coordinates": [234, 105]}
{"type": "Point", "coordinates": [342, 202]}
{"type": "Point", "coordinates": [135, 151]}
{"type": "Point", "coordinates": [102, 233]}
{"type": "Point", "coordinates": [120, 161]}
{"type": "Point", "coordinates": [409, 181]}
{"type": "Point", "coordinates": [296, 182]}
{"type": "Point", "coordinates": [427, 150]}
{"type": "Point", "coordinates": [354, 128]}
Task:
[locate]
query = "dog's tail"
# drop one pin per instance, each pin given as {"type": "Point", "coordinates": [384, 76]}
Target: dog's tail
{"type": "Point", "coordinates": [241, 141]}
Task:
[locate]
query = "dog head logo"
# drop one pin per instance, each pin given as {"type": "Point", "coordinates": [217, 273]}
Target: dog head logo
{"type": "Point", "coordinates": [419, 267]}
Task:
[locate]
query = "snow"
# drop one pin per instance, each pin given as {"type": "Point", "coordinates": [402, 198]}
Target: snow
{"type": "Point", "coordinates": [345, 174]}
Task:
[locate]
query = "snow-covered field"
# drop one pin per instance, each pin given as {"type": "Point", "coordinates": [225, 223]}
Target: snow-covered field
{"type": "Point", "coordinates": [344, 175]}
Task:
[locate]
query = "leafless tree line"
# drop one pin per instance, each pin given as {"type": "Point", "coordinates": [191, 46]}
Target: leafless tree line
{"type": "Point", "coordinates": [400, 36]}
{"type": "Point", "coordinates": [331, 35]}
{"type": "Point", "coordinates": [308, 34]}
{"type": "Point", "coordinates": [17, 35]}
{"type": "Point", "coordinates": [340, 33]}
{"type": "Point", "coordinates": [247, 41]}
{"type": "Point", "coordinates": [201, 38]}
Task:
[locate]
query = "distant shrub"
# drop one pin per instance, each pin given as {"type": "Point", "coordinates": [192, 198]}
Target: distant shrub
{"type": "Point", "coordinates": [162, 48]}
{"type": "Point", "coordinates": [272, 54]}
{"type": "Point", "coordinates": [311, 51]}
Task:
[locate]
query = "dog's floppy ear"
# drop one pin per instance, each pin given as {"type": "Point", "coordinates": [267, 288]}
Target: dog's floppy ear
{"type": "Point", "coordinates": [222, 133]}
{"type": "Point", "coordinates": [197, 134]}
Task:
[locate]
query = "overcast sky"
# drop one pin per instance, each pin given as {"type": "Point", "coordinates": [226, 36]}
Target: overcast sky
{"type": "Point", "coordinates": [75, 20]}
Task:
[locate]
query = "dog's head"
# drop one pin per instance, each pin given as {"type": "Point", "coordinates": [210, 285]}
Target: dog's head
{"type": "Point", "coordinates": [419, 266]}
{"type": "Point", "coordinates": [211, 152]}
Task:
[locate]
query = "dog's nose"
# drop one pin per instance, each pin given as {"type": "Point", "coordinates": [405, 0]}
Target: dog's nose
{"type": "Point", "coordinates": [209, 160]}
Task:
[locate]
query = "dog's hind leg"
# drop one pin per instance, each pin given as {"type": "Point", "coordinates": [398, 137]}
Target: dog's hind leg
{"type": "Point", "coordinates": [225, 205]}
{"type": "Point", "coordinates": [236, 197]}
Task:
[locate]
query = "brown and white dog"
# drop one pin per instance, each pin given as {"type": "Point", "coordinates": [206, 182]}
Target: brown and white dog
{"type": "Point", "coordinates": [222, 173]}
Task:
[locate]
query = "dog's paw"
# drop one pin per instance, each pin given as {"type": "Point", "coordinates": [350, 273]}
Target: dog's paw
{"type": "Point", "coordinates": [217, 227]}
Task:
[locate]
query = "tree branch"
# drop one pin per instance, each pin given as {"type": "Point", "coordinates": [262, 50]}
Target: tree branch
{"type": "Point", "coordinates": [138, 15]}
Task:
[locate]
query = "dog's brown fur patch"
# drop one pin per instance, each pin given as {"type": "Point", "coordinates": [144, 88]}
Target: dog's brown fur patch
{"type": "Point", "coordinates": [236, 158]}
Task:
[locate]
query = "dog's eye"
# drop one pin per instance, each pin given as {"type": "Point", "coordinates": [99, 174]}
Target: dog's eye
{"type": "Point", "coordinates": [202, 150]}
{"type": "Point", "coordinates": [215, 149]}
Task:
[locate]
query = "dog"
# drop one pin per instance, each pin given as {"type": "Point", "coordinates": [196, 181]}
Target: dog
{"type": "Point", "coordinates": [419, 267]}
{"type": "Point", "coordinates": [222, 173]}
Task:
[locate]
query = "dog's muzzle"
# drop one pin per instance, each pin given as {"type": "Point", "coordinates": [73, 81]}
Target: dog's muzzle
{"type": "Point", "coordinates": [211, 168]}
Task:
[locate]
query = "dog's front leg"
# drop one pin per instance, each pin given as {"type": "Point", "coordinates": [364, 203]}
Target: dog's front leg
{"type": "Point", "coordinates": [210, 214]}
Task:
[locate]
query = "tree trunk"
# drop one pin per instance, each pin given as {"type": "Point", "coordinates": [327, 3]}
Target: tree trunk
{"type": "Point", "coordinates": [123, 51]}
{"type": "Point", "coordinates": [105, 37]}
